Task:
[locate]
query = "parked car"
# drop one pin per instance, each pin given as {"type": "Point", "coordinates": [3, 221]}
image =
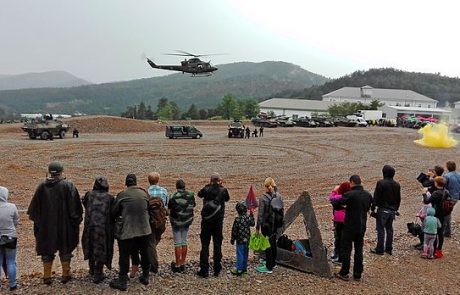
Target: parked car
{"type": "Point", "coordinates": [182, 131]}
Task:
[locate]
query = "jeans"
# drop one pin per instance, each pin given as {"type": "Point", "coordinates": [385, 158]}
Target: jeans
{"type": "Point", "coordinates": [180, 236]}
{"type": "Point", "coordinates": [348, 239]}
{"type": "Point", "coordinates": [130, 247]}
{"type": "Point", "coordinates": [10, 255]}
{"type": "Point", "coordinates": [211, 230]}
{"type": "Point", "coordinates": [242, 252]}
{"type": "Point", "coordinates": [384, 225]}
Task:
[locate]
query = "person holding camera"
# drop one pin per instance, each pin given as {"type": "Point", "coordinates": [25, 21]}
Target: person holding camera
{"type": "Point", "coordinates": [387, 197]}
{"type": "Point", "coordinates": [452, 178]}
{"type": "Point", "coordinates": [214, 196]}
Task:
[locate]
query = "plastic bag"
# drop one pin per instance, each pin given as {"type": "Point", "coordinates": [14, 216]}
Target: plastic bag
{"type": "Point", "coordinates": [258, 242]}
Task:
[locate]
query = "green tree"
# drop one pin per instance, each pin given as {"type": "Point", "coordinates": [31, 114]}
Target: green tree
{"type": "Point", "coordinates": [251, 108]}
{"type": "Point", "coordinates": [228, 106]}
{"type": "Point", "coordinates": [192, 113]}
{"type": "Point", "coordinates": [175, 111]}
{"type": "Point", "coordinates": [203, 114]}
{"type": "Point", "coordinates": [375, 104]}
{"type": "Point", "coordinates": [141, 113]}
{"type": "Point", "coordinates": [149, 113]}
{"type": "Point", "coordinates": [165, 112]}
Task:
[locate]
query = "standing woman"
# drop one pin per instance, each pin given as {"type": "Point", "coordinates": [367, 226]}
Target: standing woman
{"type": "Point", "coordinates": [269, 220]}
{"type": "Point", "coordinates": [9, 218]}
{"type": "Point", "coordinates": [97, 239]}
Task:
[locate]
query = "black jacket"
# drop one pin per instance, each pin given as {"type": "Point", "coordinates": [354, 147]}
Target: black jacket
{"type": "Point", "coordinates": [436, 199]}
{"type": "Point", "coordinates": [387, 194]}
{"type": "Point", "coordinates": [358, 202]}
{"type": "Point", "coordinates": [212, 192]}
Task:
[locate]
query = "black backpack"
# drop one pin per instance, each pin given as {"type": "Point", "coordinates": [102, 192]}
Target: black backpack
{"type": "Point", "coordinates": [447, 204]}
{"type": "Point", "coordinates": [274, 216]}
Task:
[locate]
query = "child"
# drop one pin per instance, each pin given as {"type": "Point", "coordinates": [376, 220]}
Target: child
{"type": "Point", "coordinates": [422, 215]}
{"type": "Point", "coordinates": [241, 231]}
{"type": "Point", "coordinates": [430, 228]}
{"type": "Point", "coordinates": [339, 218]}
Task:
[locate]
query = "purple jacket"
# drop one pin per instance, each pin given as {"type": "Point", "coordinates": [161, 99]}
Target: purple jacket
{"type": "Point", "coordinates": [339, 215]}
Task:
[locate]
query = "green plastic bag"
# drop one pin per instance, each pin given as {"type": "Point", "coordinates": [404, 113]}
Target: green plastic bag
{"type": "Point", "coordinates": [258, 242]}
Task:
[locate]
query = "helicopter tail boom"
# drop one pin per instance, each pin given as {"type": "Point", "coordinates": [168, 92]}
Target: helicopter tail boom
{"type": "Point", "coordinates": [151, 63]}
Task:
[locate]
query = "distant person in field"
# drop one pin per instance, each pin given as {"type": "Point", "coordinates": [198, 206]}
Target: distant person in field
{"type": "Point", "coordinates": [357, 204]}
{"type": "Point", "coordinates": [97, 240]}
{"type": "Point", "coordinates": [387, 199]}
{"type": "Point", "coordinates": [248, 132]}
{"type": "Point", "coordinates": [9, 218]}
{"type": "Point", "coordinates": [181, 205]}
{"type": "Point", "coordinates": [75, 133]}
{"type": "Point", "coordinates": [254, 133]}
{"type": "Point", "coordinates": [452, 178]}
{"type": "Point", "coordinates": [57, 212]}
{"type": "Point", "coordinates": [261, 131]}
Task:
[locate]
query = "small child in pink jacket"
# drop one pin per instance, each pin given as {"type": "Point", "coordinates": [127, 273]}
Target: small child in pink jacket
{"type": "Point", "coordinates": [339, 219]}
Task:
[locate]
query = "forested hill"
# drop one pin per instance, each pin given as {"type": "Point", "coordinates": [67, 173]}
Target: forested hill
{"type": "Point", "coordinates": [36, 80]}
{"type": "Point", "coordinates": [438, 87]}
{"type": "Point", "coordinates": [243, 80]}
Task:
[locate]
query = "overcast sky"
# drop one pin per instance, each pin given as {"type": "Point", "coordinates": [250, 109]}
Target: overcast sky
{"type": "Point", "coordinates": [103, 40]}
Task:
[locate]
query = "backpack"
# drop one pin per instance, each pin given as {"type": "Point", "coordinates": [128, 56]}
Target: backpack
{"type": "Point", "coordinates": [157, 213]}
{"type": "Point", "coordinates": [447, 204]}
{"type": "Point", "coordinates": [274, 216]}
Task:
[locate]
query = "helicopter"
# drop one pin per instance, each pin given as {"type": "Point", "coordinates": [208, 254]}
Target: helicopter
{"type": "Point", "coordinates": [194, 65]}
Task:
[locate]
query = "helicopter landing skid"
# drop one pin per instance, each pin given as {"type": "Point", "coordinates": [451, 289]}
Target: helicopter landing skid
{"type": "Point", "coordinates": [201, 75]}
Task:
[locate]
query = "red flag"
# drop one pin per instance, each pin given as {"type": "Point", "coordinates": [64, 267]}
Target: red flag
{"type": "Point", "coordinates": [251, 201]}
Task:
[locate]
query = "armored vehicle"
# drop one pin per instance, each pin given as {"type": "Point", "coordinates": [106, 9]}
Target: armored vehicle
{"type": "Point", "coordinates": [45, 128]}
{"type": "Point", "coordinates": [263, 120]}
{"type": "Point", "coordinates": [305, 122]}
{"type": "Point", "coordinates": [236, 129]}
{"type": "Point", "coordinates": [182, 131]}
{"type": "Point", "coordinates": [284, 121]}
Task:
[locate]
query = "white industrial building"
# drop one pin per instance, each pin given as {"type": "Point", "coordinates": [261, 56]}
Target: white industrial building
{"type": "Point", "coordinates": [392, 112]}
{"type": "Point", "coordinates": [294, 108]}
{"type": "Point", "coordinates": [392, 97]}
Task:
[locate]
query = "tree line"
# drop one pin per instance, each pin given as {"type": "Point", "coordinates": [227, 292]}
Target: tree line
{"type": "Point", "coordinates": [229, 108]}
{"type": "Point", "coordinates": [348, 108]}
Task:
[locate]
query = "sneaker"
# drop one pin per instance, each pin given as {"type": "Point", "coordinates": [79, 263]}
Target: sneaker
{"type": "Point", "coordinates": [356, 279]}
{"type": "Point", "coordinates": [13, 288]}
{"type": "Point", "coordinates": [144, 280]}
{"type": "Point", "coordinates": [431, 257]}
{"type": "Point", "coordinates": [236, 272]}
{"type": "Point", "coordinates": [374, 251]}
{"type": "Point", "coordinates": [424, 255]}
{"type": "Point", "coordinates": [202, 274]}
{"type": "Point", "coordinates": [438, 253]}
{"type": "Point", "coordinates": [337, 260]}
{"type": "Point", "coordinates": [174, 268]}
{"type": "Point", "coordinates": [389, 252]}
{"type": "Point", "coordinates": [263, 269]}
{"type": "Point", "coordinates": [342, 277]}
{"type": "Point", "coordinates": [182, 268]}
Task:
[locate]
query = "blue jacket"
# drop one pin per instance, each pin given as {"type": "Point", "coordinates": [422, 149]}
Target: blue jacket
{"type": "Point", "coordinates": [453, 184]}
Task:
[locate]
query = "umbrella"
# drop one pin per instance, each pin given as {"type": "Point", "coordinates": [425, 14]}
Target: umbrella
{"type": "Point", "coordinates": [251, 201]}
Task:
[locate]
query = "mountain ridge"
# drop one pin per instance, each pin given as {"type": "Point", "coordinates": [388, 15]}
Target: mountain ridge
{"type": "Point", "coordinates": [40, 80]}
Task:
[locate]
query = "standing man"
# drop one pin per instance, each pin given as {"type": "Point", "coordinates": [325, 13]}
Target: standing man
{"type": "Point", "coordinates": [248, 132]}
{"type": "Point", "coordinates": [156, 191]}
{"type": "Point", "coordinates": [387, 197]}
{"type": "Point", "coordinates": [453, 186]}
{"type": "Point", "coordinates": [358, 202]}
{"type": "Point", "coordinates": [132, 230]}
{"type": "Point", "coordinates": [214, 196]}
{"type": "Point", "coordinates": [261, 131]}
{"type": "Point", "coordinates": [56, 211]}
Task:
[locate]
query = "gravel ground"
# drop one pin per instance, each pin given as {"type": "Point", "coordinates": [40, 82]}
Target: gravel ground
{"type": "Point", "coordinates": [298, 158]}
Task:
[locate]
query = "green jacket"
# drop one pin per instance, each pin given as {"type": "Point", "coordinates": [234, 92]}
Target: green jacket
{"type": "Point", "coordinates": [131, 213]}
{"type": "Point", "coordinates": [181, 204]}
{"type": "Point", "coordinates": [431, 223]}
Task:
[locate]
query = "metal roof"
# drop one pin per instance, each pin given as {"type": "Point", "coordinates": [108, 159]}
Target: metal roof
{"type": "Point", "coordinates": [415, 109]}
{"type": "Point", "coordinates": [380, 94]}
{"type": "Point", "coordinates": [296, 104]}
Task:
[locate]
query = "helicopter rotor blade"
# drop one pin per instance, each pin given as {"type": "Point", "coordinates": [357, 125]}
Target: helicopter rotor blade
{"type": "Point", "coordinates": [188, 53]}
{"type": "Point", "coordinates": [177, 54]}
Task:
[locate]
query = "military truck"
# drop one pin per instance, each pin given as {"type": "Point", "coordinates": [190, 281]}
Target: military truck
{"type": "Point", "coordinates": [236, 129]}
{"type": "Point", "coordinates": [182, 131]}
{"type": "Point", "coordinates": [45, 128]}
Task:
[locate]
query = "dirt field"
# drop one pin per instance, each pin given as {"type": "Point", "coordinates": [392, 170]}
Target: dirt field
{"type": "Point", "coordinates": [297, 158]}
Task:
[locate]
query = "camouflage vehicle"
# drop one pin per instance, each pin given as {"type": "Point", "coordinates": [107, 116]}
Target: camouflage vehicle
{"type": "Point", "coordinates": [263, 120]}
{"type": "Point", "coordinates": [45, 128]}
{"type": "Point", "coordinates": [305, 122]}
{"type": "Point", "coordinates": [236, 129]}
{"type": "Point", "coordinates": [284, 121]}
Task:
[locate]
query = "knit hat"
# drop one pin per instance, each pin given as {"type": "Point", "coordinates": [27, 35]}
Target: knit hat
{"type": "Point", "coordinates": [130, 179]}
{"type": "Point", "coordinates": [55, 168]}
{"type": "Point", "coordinates": [241, 207]}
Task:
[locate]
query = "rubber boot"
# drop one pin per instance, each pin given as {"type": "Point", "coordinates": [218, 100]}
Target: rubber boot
{"type": "Point", "coordinates": [120, 283]}
{"type": "Point", "coordinates": [98, 273]}
{"type": "Point", "coordinates": [65, 271]}
{"type": "Point", "coordinates": [47, 268]}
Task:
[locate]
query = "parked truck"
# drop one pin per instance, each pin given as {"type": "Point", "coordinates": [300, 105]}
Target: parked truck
{"type": "Point", "coordinates": [370, 115]}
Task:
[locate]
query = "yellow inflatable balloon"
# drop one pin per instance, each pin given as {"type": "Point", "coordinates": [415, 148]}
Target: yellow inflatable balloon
{"type": "Point", "coordinates": [437, 136]}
